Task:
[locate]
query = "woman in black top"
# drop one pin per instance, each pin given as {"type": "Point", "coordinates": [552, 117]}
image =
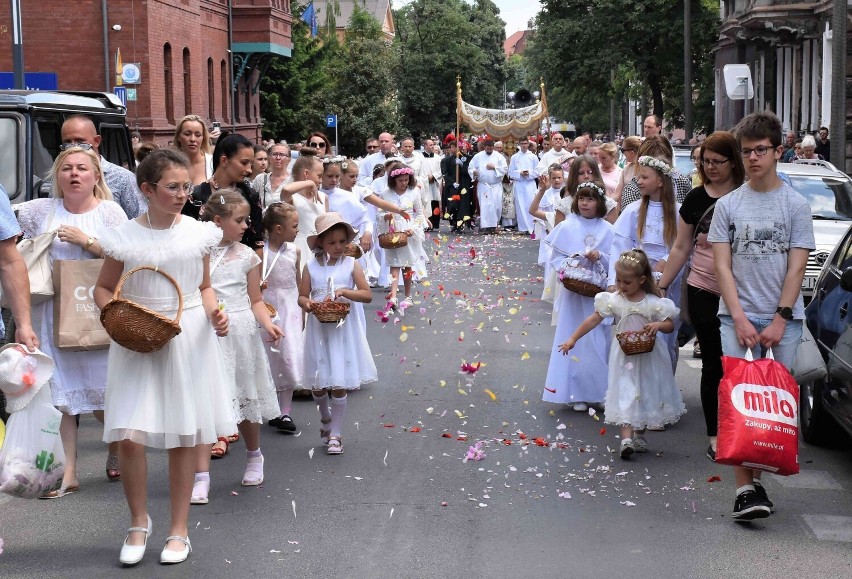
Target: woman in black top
{"type": "Point", "coordinates": [721, 171]}
{"type": "Point", "coordinates": [232, 164]}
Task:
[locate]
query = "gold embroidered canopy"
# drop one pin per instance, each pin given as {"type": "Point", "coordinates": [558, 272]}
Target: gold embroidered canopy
{"type": "Point", "coordinates": [502, 123]}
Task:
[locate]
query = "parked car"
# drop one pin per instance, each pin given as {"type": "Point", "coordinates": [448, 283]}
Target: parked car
{"type": "Point", "coordinates": [30, 125]}
{"type": "Point", "coordinates": [829, 193]}
{"type": "Point", "coordinates": [825, 406]}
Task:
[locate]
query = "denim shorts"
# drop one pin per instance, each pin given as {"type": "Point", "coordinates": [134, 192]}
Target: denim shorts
{"type": "Point", "coordinates": [784, 352]}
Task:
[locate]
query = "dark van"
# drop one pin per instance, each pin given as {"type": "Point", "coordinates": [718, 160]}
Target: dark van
{"type": "Point", "coordinates": [30, 123]}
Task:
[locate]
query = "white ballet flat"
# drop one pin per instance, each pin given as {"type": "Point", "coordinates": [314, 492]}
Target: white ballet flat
{"type": "Point", "coordinates": [168, 557]}
{"type": "Point", "coordinates": [132, 554]}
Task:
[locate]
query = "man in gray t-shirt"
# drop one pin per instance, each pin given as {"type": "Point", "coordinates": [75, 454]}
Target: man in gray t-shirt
{"type": "Point", "coordinates": [13, 275]}
{"type": "Point", "coordinates": [762, 234]}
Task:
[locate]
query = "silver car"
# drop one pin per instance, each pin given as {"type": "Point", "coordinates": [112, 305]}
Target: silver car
{"type": "Point", "coordinates": [829, 192]}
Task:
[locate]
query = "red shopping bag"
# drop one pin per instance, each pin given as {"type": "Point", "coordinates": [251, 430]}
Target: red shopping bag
{"type": "Point", "coordinates": [758, 415]}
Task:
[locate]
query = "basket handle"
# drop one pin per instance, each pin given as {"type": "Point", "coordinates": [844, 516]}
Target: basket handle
{"type": "Point", "coordinates": [117, 293]}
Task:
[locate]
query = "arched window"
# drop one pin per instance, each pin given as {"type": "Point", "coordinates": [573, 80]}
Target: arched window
{"type": "Point", "coordinates": [167, 82]}
{"type": "Point", "coordinates": [211, 91]}
{"type": "Point", "coordinates": [223, 72]}
{"type": "Point", "coordinates": [187, 83]}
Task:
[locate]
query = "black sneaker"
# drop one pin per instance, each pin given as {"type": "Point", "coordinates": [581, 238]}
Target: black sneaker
{"type": "Point", "coordinates": [286, 424]}
{"type": "Point", "coordinates": [761, 492]}
{"type": "Point", "coordinates": [749, 506]}
{"type": "Point", "coordinates": [275, 422]}
{"type": "Point", "coordinates": [711, 454]}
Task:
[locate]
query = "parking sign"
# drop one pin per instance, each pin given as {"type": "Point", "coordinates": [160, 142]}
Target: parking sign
{"type": "Point", "coordinates": [330, 120]}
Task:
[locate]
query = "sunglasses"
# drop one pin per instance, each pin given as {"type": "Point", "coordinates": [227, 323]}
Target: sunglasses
{"type": "Point", "coordinates": [84, 146]}
{"type": "Point", "coordinates": [318, 145]}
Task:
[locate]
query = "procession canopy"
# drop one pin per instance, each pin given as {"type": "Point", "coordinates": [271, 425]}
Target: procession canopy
{"type": "Point", "coordinates": [503, 123]}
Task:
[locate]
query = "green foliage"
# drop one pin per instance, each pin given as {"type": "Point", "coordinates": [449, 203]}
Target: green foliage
{"type": "Point", "coordinates": [440, 39]}
{"type": "Point", "coordinates": [641, 40]}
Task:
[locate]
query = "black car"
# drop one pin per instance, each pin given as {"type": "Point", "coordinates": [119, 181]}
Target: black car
{"type": "Point", "coordinates": [826, 405]}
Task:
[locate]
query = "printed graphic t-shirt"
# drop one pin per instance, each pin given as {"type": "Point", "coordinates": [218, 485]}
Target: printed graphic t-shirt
{"type": "Point", "coordinates": [762, 228]}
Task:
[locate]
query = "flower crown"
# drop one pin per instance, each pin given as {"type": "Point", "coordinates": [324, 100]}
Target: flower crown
{"type": "Point", "coordinates": [402, 171]}
{"type": "Point", "coordinates": [656, 164]}
{"type": "Point", "coordinates": [590, 185]}
{"type": "Point", "coordinates": [335, 159]}
{"type": "Point", "coordinates": [626, 257]}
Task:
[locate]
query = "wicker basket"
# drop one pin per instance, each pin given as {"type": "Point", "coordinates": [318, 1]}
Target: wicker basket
{"type": "Point", "coordinates": [330, 312]}
{"type": "Point", "coordinates": [353, 250]}
{"type": "Point", "coordinates": [136, 327]}
{"type": "Point", "coordinates": [393, 240]}
{"type": "Point", "coordinates": [271, 310]}
{"type": "Point", "coordinates": [582, 288]}
{"type": "Point", "coordinates": [636, 342]}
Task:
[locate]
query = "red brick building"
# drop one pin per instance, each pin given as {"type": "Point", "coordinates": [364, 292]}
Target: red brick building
{"type": "Point", "coordinates": [180, 46]}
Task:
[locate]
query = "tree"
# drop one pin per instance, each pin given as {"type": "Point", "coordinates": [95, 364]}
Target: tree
{"type": "Point", "coordinates": [440, 39]}
{"type": "Point", "coordinates": [641, 40]}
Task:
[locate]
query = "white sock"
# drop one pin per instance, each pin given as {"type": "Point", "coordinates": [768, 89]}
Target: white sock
{"type": "Point", "coordinates": [202, 476]}
{"type": "Point", "coordinates": [744, 488]}
{"type": "Point", "coordinates": [253, 453]}
{"type": "Point", "coordinates": [285, 401]}
{"type": "Point", "coordinates": [322, 403]}
{"type": "Point", "coordinates": [338, 412]}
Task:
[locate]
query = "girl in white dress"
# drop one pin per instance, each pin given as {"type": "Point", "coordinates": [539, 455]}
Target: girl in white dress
{"type": "Point", "coordinates": [641, 389]}
{"type": "Point", "coordinates": [303, 194]}
{"type": "Point", "coordinates": [581, 241]}
{"type": "Point", "coordinates": [235, 276]}
{"type": "Point", "coordinates": [337, 356]}
{"type": "Point", "coordinates": [80, 211]}
{"type": "Point", "coordinates": [282, 272]}
{"type": "Point", "coordinates": [409, 259]}
{"type": "Point", "coordinates": [651, 225]}
{"type": "Point", "coordinates": [179, 397]}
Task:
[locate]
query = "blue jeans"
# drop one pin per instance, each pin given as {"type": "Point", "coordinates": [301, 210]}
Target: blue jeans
{"type": "Point", "coordinates": [784, 352]}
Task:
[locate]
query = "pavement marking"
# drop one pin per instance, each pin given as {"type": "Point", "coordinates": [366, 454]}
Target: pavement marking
{"type": "Point", "coordinates": [830, 527]}
{"type": "Point", "coordinates": [693, 364]}
{"type": "Point", "coordinates": [809, 479]}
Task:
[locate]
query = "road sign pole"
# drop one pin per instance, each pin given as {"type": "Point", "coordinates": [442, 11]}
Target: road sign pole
{"type": "Point", "coordinates": [17, 46]}
{"type": "Point", "coordinates": [336, 149]}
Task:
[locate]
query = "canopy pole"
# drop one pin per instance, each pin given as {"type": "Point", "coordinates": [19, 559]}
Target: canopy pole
{"type": "Point", "coordinates": [458, 126]}
{"type": "Point", "coordinates": [544, 107]}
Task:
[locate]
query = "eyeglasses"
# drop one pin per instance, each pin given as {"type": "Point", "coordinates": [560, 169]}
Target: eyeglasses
{"type": "Point", "coordinates": [372, 147]}
{"type": "Point", "coordinates": [319, 145]}
{"type": "Point", "coordinates": [175, 188]}
{"type": "Point", "coordinates": [623, 150]}
{"type": "Point", "coordinates": [711, 163]}
{"type": "Point", "coordinates": [279, 155]}
{"type": "Point", "coordinates": [760, 151]}
{"type": "Point", "coordinates": [84, 146]}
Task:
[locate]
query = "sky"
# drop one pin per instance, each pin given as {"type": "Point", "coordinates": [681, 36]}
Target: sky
{"type": "Point", "coordinates": [515, 13]}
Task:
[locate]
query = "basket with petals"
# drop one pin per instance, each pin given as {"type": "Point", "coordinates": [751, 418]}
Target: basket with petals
{"type": "Point", "coordinates": [353, 250]}
{"type": "Point", "coordinates": [636, 342]}
{"type": "Point", "coordinates": [329, 311]}
{"type": "Point", "coordinates": [585, 281]}
{"type": "Point", "coordinates": [136, 327]}
{"type": "Point", "coordinates": [393, 239]}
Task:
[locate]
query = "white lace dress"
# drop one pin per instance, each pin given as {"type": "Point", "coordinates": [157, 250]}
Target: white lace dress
{"type": "Point", "coordinates": [336, 355]}
{"type": "Point", "coordinates": [641, 389]}
{"type": "Point", "coordinates": [308, 212]}
{"type": "Point", "coordinates": [79, 380]}
{"type": "Point", "coordinates": [179, 396]}
{"type": "Point", "coordinates": [242, 349]}
{"type": "Point", "coordinates": [411, 255]}
{"type": "Point", "coordinates": [287, 359]}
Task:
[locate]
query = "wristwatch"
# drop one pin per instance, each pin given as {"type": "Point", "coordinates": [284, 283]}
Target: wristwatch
{"type": "Point", "coordinates": [89, 243]}
{"type": "Point", "coordinates": [786, 313]}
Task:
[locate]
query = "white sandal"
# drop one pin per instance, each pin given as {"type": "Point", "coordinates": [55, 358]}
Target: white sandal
{"type": "Point", "coordinates": [253, 476]}
{"type": "Point", "coordinates": [200, 492]}
{"type": "Point", "coordinates": [335, 446]}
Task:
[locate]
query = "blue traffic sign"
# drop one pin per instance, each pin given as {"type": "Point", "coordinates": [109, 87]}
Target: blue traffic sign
{"type": "Point", "coordinates": [32, 80]}
{"type": "Point", "coordinates": [120, 92]}
{"type": "Point", "coordinates": [330, 121]}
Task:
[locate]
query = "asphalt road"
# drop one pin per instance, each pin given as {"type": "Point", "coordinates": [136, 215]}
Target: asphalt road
{"type": "Point", "coordinates": [402, 502]}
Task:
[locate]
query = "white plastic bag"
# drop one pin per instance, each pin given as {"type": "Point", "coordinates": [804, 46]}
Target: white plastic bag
{"type": "Point", "coordinates": [32, 460]}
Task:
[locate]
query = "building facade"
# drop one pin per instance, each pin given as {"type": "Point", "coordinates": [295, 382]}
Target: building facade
{"type": "Point", "coordinates": [177, 51]}
{"type": "Point", "coordinates": [787, 45]}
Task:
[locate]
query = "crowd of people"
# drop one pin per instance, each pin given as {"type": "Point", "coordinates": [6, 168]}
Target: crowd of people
{"type": "Point", "coordinates": [260, 239]}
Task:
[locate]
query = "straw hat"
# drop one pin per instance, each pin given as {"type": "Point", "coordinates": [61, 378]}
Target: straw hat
{"type": "Point", "coordinates": [325, 222]}
{"type": "Point", "coordinates": [22, 374]}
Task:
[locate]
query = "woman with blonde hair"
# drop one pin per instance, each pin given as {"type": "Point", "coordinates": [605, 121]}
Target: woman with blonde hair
{"type": "Point", "coordinates": [79, 210]}
{"type": "Point", "coordinates": [610, 171]}
{"type": "Point", "coordinates": [193, 139]}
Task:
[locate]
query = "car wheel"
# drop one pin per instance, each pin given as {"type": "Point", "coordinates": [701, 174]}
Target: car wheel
{"type": "Point", "coordinates": [818, 427]}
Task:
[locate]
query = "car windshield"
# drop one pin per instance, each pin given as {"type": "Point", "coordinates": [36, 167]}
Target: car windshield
{"type": "Point", "coordinates": [830, 197]}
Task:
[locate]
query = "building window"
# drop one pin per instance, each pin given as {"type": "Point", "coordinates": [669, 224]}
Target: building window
{"type": "Point", "coordinates": [187, 83]}
{"type": "Point", "coordinates": [223, 73]}
{"type": "Point", "coordinates": [211, 90]}
{"type": "Point", "coordinates": [167, 82]}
